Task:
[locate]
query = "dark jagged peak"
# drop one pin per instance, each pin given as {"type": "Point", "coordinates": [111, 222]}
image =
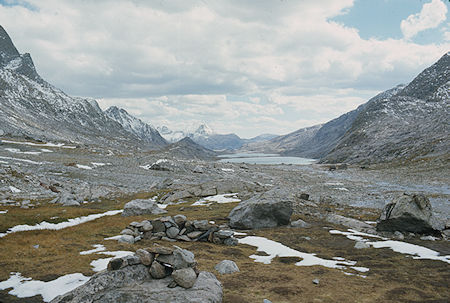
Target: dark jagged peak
{"type": "Point", "coordinates": [7, 49]}
{"type": "Point", "coordinates": [425, 85]}
{"type": "Point", "coordinates": [10, 59]}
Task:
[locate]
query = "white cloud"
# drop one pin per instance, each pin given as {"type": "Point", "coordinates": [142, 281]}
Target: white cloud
{"type": "Point", "coordinates": [431, 15]}
{"type": "Point", "coordinates": [175, 62]}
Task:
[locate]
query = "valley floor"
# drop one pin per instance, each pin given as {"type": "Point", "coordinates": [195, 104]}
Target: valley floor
{"type": "Point", "coordinates": [102, 181]}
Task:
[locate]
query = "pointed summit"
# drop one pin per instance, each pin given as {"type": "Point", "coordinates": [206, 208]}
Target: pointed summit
{"type": "Point", "coordinates": [8, 51]}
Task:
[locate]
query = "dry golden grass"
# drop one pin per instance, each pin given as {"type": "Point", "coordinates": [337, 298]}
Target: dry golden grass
{"type": "Point", "coordinates": [392, 277]}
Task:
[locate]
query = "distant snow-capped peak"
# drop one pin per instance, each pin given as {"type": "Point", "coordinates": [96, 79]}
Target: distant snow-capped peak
{"type": "Point", "coordinates": [195, 130]}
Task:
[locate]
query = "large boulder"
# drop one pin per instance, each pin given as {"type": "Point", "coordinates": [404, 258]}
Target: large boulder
{"type": "Point", "coordinates": [349, 222]}
{"type": "Point", "coordinates": [133, 284]}
{"type": "Point", "coordinates": [142, 207]}
{"type": "Point", "coordinates": [271, 209]}
{"type": "Point", "coordinates": [409, 213]}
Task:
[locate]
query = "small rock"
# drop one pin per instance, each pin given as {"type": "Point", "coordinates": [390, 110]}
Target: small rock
{"type": "Point", "coordinates": [183, 258]}
{"type": "Point", "coordinates": [201, 224]}
{"type": "Point", "coordinates": [198, 169]}
{"type": "Point", "coordinates": [398, 235]}
{"type": "Point", "coordinates": [157, 270]}
{"type": "Point", "coordinates": [145, 257]}
{"type": "Point", "coordinates": [184, 238]}
{"type": "Point", "coordinates": [226, 267]}
{"type": "Point", "coordinates": [304, 196]}
{"type": "Point", "coordinates": [132, 260]}
{"type": "Point", "coordinates": [147, 226]}
{"type": "Point", "coordinates": [300, 223]}
{"type": "Point", "coordinates": [36, 246]}
{"type": "Point", "coordinates": [194, 234]}
{"type": "Point", "coordinates": [126, 239]}
{"type": "Point", "coordinates": [160, 250]}
{"type": "Point", "coordinates": [428, 238]}
{"type": "Point", "coordinates": [223, 234]}
{"type": "Point", "coordinates": [128, 231]}
{"type": "Point", "coordinates": [115, 264]}
{"type": "Point", "coordinates": [180, 220]}
{"type": "Point", "coordinates": [172, 232]}
{"type": "Point", "coordinates": [361, 245]}
{"type": "Point", "coordinates": [316, 281]}
{"type": "Point", "coordinates": [267, 301]}
{"type": "Point", "coordinates": [158, 226]}
{"type": "Point", "coordinates": [232, 241]}
{"type": "Point", "coordinates": [168, 239]}
{"type": "Point", "coordinates": [185, 277]}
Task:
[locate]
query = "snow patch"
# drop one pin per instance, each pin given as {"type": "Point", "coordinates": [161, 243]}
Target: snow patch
{"type": "Point", "coordinates": [57, 226]}
{"type": "Point", "coordinates": [3, 211]}
{"type": "Point", "coordinates": [276, 249]}
{"type": "Point", "coordinates": [97, 248]}
{"type": "Point", "coordinates": [83, 166]}
{"type": "Point", "coordinates": [224, 198]}
{"type": "Point", "coordinates": [22, 160]}
{"type": "Point", "coordinates": [18, 151]}
{"type": "Point", "coordinates": [416, 251]}
{"type": "Point", "coordinates": [14, 189]}
{"type": "Point", "coordinates": [26, 287]}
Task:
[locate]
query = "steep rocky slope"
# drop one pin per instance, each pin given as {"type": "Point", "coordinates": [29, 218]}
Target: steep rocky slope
{"type": "Point", "coordinates": [413, 123]}
{"type": "Point", "coordinates": [31, 107]}
{"type": "Point", "coordinates": [133, 125]}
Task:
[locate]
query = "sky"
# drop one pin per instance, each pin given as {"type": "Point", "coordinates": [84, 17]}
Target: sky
{"type": "Point", "coordinates": [241, 66]}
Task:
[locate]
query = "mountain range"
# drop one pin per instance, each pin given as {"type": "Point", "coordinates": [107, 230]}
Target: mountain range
{"type": "Point", "coordinates": [405, 122]}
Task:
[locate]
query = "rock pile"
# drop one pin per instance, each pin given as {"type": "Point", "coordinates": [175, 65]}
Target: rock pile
{"type": "Point", "coordinates": [163, 262]}
{"type": "Point", "coordinates": [155, 274]}
{"type": "Point", "coordinates": [177, 228]}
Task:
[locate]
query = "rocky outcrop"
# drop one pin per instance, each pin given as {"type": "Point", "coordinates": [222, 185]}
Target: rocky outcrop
{"type": "Point", "coordinates": [409, 213]}
{"type": "Point", "coordinates": [142, 207]}
{"type": "Point", "coordinates": [178, 228]}
{"type": "Point", "coordinates": [271, 209]}
{"type": "Point", "coordinates": [349, 222]}
{"type": "Point", "coordinates": [155, 274]}
{"type": "Point", "coordinates": [211, 189]}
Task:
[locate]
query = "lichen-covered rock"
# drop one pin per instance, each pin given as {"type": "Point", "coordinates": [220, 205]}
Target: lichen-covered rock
{"type": "Point", "coordinates": [271, 209]}
{"type": "Point", "coordinates": [133, 284]}
{"type": "Point", "coordinates": [185, 277]}
{"type": "Point", "coordinates": [142, 207]}
{"type": "Point", "coordinates": [408, 213]}
{"type": "Point", "coordinates": [226, 267]}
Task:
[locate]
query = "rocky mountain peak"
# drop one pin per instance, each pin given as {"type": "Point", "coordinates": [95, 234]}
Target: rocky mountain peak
{"type": "Point", "coordinates": [7, 49]}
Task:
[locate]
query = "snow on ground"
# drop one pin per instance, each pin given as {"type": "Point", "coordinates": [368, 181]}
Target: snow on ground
{"type": "Point", "coordinates": [341, 188]}
{"type": "Point", "coordinates": [14, 189]}
{"type": "Point", "coordinates": [230, 170]}
{"type": "Point", "coordinates": [3, 211]}
{"type": "Point", "coordinates": [21, 160]}
{"type": "Point", "coordinates": [225, 198]}
{"type": "Point", "coordinates": [97, 248]}
{"type": "Point", "coordinates": [44, 150]}
{"type": "Point", "coordinates": [276, 249]}
{"type": "Point", "coordinates": [26, 287]}
{"type": "Point", "coordinates": [113, 237]}
{"type": "Point", "coordinates": [18, 151]}
{"type": "Point", "coordinates": [48, 144]}
{"type": "Point", "coordinates": [57, 226]}
{"type": "Point", "coordinates": [162, 206]}
{"type": "Point", "coordinates": [99, 164]}
{"type": "Point", "coordinates": [416, 251]}
{"type": "Point", "coordinates": [83, 166]}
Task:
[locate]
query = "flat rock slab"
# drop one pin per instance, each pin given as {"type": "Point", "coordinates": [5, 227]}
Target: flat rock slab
{"type": "Point", "coordinates": [133, 284]}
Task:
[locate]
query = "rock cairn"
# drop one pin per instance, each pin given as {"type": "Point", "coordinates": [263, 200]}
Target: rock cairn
{"type": "Point", "coordinates": [178, 228]}
{"type": "Point", "coordinates": [163, 262]}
